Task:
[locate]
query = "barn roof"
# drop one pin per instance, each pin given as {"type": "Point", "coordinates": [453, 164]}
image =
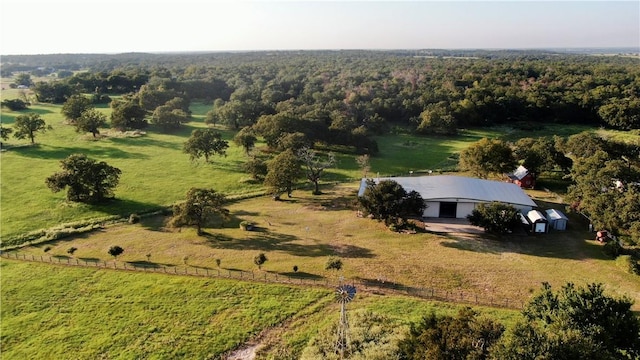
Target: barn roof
{"type": "Point", "coordinates": [441, 187]}
{"type": "Point", "coordinates": [519, 173]}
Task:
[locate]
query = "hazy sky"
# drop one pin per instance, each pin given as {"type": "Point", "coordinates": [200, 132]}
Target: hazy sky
{"type": "Point", "coordinates": [96, 26]}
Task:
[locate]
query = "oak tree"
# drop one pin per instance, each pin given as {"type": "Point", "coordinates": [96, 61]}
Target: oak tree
{"type": "Point", "coordinates": [200, 208]}
{"type": "Point", "coordinates": [91, 120]}
{"type": "Point", "coordinates": [488, 156]}
{"type": "Point", "coordinates": [86, 180]}
{"type": "Point", "coordinates": [28, 125]}
{"type": "Point", "coordinates": [75, 105]}
{"type": "Point", "coordinates": [205, 142]}
{"type": "Point", "coordinates": [282, 172]}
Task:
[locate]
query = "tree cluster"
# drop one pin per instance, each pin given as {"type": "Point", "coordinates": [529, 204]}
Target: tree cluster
{"type": "Point", "coordinates": [572, 323]}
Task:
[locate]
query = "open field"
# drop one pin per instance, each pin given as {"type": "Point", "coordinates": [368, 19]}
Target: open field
{"type": "Point", "coordinates": [305, 230]}
{"type": "Point", "coordinates": [55, 311]}
{"type": "Point", "coordinates": [156, 173]}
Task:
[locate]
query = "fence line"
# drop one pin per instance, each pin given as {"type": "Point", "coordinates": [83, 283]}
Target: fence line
{"type": "Point", "coordinates": [433, 293]}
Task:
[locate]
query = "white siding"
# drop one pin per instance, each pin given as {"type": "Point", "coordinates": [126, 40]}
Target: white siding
{"type": "Point", "coordinates": [464, 209]}
{"type": "Point", "coordinates": [432, 210]}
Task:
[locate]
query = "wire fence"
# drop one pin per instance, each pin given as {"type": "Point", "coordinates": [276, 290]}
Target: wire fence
{"type": "Point", "coordinates": [372, 286]}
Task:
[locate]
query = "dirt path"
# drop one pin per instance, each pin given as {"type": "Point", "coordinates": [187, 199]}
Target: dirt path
{"type": "Point", "coordinates": [270, 336]}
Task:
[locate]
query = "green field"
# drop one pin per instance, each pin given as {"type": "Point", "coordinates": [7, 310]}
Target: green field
{"type": "Point", "coordinates": [156, 173]}
{"type": "Point", "coordinates": [59, 312]}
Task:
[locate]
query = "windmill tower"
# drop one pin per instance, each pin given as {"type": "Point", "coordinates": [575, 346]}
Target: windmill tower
{"type": "Point", "coordinates": [344, 294]}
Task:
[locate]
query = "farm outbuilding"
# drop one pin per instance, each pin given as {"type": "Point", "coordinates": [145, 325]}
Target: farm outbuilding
{"type": "Point", "coordinates": [450, 196]}
{"type": "Point", "coordinates": [523, 178]}
{"type": "Point", "coordinates": [557, 220]}
{"type": "Point", "coordinates": [539, 223]}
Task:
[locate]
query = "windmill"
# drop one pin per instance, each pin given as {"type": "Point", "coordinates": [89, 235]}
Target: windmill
{"type": "Point", "coordinates": [344, 294]}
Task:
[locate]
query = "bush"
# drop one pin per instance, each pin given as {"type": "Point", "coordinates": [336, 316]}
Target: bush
{"type": "Point", "coordinates": [260, 259]}
{"type": "Point", "coordinates": [333, 263]}
{"type": "Point", "coordinates": [47, 249]}
{"type": "Point", "coordinates": [71, 250]}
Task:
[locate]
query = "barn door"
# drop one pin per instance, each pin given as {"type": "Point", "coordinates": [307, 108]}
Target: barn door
{"type": "Point", "coordinates": [448, 209]}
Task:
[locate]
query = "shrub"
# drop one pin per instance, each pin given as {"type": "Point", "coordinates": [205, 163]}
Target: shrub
{"type": "Point", "coordinates": [115, 251]}
{"type": "Point", "coordinates": [260, 259]}
{"type": "Point", "coordinates": [47, 249]}
{"type": "Point", "coordinates": [295, 268]}
{"type": "Point", "coordinates": [333, 263]}
{"type": "Point", "coordinates": [71, 250]}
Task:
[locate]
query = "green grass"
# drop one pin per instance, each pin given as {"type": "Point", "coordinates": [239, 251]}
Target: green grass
{"type": "Point", "coordinates": [53, 311]}
{"type": "Point", "coordinates": [156, 173]}
{"type": "Point", "coordinates": [306, 230]}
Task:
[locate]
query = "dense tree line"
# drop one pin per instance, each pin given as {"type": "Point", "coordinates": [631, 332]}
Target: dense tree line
{"type": "Point", "coordinates": [350, 89]}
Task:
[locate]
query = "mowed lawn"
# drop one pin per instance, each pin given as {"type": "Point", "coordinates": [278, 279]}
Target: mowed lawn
{"type": "Point", "coordinates": [306, 230]}
{"type": "Point", "coordinates": [156, 172]}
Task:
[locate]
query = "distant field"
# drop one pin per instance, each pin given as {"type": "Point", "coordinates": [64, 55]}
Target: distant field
{"type": "Point", "coordinates": [156, 173]}
{"type": "Point", "coordinates": [56, 312]}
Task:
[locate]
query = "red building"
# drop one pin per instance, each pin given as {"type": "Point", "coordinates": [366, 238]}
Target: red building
{"type": "Point", "coordinates": [523, 178]}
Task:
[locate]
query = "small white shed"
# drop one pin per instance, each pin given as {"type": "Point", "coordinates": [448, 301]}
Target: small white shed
{"type": "Point", "coordinates": [539, 223]}
{"type": "Point", "coordinates": [557, 220]}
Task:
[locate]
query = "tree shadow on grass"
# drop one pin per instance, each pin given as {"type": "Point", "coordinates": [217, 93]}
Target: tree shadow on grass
{"type": "Point", "coordinates": [380, 283]}
{"type": "Point", "coordinates": [124, 207]}
{"type": "Point", "coordinates": [58, 152]}
{"type": "Point", "coordinates": [148, 264]}
{"type": "Point", "coordinates": [269, 241]}
{"type": "Point", "coordinates": [301, 275]}
{"type": "Point", "coordinates": [555, 244]}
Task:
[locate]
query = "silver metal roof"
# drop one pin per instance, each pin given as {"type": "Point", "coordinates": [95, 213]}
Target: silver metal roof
{"type": "Point", "coordinates": [440, 187]}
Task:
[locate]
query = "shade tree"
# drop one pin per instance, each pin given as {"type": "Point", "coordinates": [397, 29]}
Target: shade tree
{"type": "Point", "coordinates": [74, 106]}
{"type": "Point", "coordinates": [574, 322]}
{"type": "Point", "coordinates": [85, 179]}
{"type": "Point", "coordinates": [91, 120]}
{"type": "Point", "coordinates": [282, 172]}
{"type": "Point", "coordinates": [388, 201]}
{"type": "Point", "coordinates": [495, 217]}
{"type": "Point", "coordinates": [486, 157]}
{"type": "Point", "coordinates": [127, 115]}
{"type": "Point", "coordinates": [200, 208]}
{"type": "Point", "coordinates": [245, 138]}
{"type": "Point", "coordinates": [28, 126]}
{"type": "Point", "coordinates": [205, 143]}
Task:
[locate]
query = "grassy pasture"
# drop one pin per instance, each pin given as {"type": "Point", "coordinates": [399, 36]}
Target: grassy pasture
{"type": "Point", "coordinates": [53, 311]}
{"type": "Point", "coordinates": [306, 230]}
{"type": "Point", "coordinates": [155, 171]}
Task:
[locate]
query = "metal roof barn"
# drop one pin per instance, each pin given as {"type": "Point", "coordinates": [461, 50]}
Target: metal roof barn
{"type": "Point", "coordinates": [451, 196]}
